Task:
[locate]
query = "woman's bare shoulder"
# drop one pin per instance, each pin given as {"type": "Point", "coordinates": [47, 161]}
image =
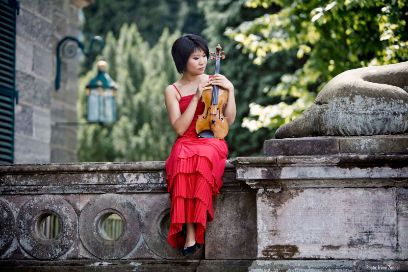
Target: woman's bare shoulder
{"type": "Point", "coordinates": [170, 88]}
{"type": "Point", "coordinates": [171, 92]}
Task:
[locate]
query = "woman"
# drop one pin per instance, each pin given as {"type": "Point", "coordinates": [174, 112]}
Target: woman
{"type": "Point", "coordinates": [195, 165]}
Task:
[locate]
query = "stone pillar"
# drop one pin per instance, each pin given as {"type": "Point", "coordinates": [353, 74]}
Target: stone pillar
{"type": "Point", "coordinates": [341, 201]}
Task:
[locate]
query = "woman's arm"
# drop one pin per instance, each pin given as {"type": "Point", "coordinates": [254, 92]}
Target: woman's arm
{"type": "Point", "coordinates": [230, 110]}
{"type": "Point", "coordinates": [181, 122]}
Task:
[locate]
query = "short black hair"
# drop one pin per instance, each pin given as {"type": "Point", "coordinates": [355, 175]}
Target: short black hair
{"type": "Point", "coordinates": [184, 46]}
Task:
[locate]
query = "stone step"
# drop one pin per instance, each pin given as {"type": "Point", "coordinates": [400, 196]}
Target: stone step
{"type": "Point", "coordinates": [364, 145]}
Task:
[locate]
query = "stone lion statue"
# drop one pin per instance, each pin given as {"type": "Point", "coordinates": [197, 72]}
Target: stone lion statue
{"type": "Point", "coordinates": [365, 101]}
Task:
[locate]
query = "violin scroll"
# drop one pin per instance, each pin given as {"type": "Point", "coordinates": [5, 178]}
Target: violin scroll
{"type": "Point", "coordinates": [218, 53]}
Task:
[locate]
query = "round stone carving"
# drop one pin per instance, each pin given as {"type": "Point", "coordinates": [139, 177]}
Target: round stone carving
{"type": "Point", "coordinates": [155, 225]}
{"type": "Point", "coordinates": [7, 227]}
{"type": "Point", "coordinates": [90, 227]}
{"type": "Point", "coordinates": [29, 236]}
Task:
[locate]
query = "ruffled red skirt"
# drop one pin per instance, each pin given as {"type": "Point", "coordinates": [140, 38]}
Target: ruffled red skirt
{"type": "Point", "coordinates": [194, 173]}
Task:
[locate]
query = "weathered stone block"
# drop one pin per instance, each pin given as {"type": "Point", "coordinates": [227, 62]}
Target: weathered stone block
{"type": "Point", "coordinates": [101, 265]}
{"type": "Point", "coordinates": [402, 213]}
{"type": "Point", "coordinates": [35, 28]}
{"type": "Point", "coordinates": [62, 155]}
{"type": "Point", "coordinates": [28, 150]}
{"type": "Point", "coordinates": [42, 125]}
{"type": "Point", "coordinates": [42, 62]}
{"type": "Point", "coordinates": [31, 5]}
{"type": "Point", "coordinates": [25, 55]}
{"type": "Point", "coordinates": [379, 144]}
{"type": "Point", "coordinates": [327, 223]}
{"type": "Point", "coordinates": [86, 178]}
{"type": "Point", "coordinates": [367, 145]}
{"type": "Point", "coordinates": [61, 112]}
{"type": "Point", "coordinates": [33, 91]}
{"type": "Point", "coordinates": [42, 93]}
{"type": "Point", "coordinates": [327, 265]}
{"type": "Point", "coordinates": [301, 146]}
{"type": "Point", "coordinates": [47, 7]}
{"type": "Point", "coordinates": [323, 171]}
{"type": "Point", "coordinates": [224, 265]}
{"type": "Point", "coordinates": [64, 136]}
{"type": "Point", "coordinates": [61, 24]}
{"type": "Point", "coordinates": [72, 10]}
{"type": "Point", "coordinates": [24, 119]}
{"type": "Point", "coordinates": [301, 265]}
{"type": "Point", "coordinates": [232, 234]}
{"type": "Point", "coordinates": [69, 89]}
{"type": "Point", "coordinates": [24, 84]}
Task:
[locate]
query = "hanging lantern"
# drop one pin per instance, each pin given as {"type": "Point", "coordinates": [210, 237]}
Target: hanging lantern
{"type": "Point", "coordinates": [101, 93]}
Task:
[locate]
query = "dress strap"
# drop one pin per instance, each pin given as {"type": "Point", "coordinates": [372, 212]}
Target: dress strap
{"type": "Point", "coordinates": [177, 89]}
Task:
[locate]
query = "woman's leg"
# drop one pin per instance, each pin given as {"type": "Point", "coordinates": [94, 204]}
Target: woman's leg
{"type": "Point", "coordinates": [190, 239]}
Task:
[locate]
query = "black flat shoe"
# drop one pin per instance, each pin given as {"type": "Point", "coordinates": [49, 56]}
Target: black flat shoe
{"type": "Point", "coordinates": [187, 251]}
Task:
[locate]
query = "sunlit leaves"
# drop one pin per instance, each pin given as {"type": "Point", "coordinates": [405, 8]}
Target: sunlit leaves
{"type": "Point", "coordinates": [329, 38]}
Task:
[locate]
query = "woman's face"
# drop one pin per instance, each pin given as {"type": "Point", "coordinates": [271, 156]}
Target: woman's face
{"type": "Point", "coordinates": [197, 62]}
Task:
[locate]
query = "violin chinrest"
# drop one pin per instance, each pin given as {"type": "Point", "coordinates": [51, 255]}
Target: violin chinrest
{"type": "Point", "coordinates": [206, 134]}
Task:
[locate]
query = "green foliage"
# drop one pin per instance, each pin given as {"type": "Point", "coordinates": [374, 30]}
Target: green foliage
{"type": "Point", "coordinates": [328, 37]}
{"type": "Point", "coordinates": [251, 81]}
{"type": "Point", "coordinates": [151, 17]}
{"type": "Point", "coordinates": [142, 131]}
{"type": "Point", "coordinates": [279, 55]}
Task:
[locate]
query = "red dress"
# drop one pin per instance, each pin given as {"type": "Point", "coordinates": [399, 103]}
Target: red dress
{"type": "Point", "coordinates": [194, 171]}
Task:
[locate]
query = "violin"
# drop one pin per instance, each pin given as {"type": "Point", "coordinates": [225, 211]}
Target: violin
{"type": "Point", "coordinates": [212, 123]}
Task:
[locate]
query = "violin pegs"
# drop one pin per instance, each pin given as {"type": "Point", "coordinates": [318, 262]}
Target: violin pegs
{"type": "Point", "coordinates": [212, 55]}
{"type": "Point", "coordinates": [218, 53]}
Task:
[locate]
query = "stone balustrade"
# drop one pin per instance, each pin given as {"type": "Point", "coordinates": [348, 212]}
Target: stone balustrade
{"type": "Point", "coordinates": [82, 195]}
{"type": "Point", "coordinates": [324, 209]}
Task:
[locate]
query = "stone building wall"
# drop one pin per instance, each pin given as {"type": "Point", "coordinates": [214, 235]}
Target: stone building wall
{"type": "Point", "coordinates": [39, 135]}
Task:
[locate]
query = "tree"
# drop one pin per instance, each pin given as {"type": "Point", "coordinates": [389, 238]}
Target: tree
{"type": "Point", "coordinates": [151, 17]}
{"type": "Point", "coordinates": [329, 37]}
{"type": "Point", "coordinates": [250, 80]}
{"type": "Point", "coordinates": [142, 131]}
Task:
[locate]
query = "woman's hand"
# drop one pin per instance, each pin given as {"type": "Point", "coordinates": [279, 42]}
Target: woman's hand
{"type": "Point", "coordinates": [201, 87]}
{"type": "Point", "coordinates": [230, 110]}
{"type": "Point", "coordinates": [222, 82]}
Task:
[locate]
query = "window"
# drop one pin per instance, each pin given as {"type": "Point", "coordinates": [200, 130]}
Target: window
{"type": "Point", "coordinates": [8, 94]}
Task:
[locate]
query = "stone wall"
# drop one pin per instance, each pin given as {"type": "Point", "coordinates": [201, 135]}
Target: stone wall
{"type": "Point", "coordinates": [38, 136]}
{"type": "Point", "coordinates": [81, 194]}
{"type": "Point", "coordinates": [342, 211]}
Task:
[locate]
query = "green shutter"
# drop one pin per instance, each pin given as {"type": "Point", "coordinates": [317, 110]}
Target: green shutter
{"type": "Point", "coordinates": [8, 94]}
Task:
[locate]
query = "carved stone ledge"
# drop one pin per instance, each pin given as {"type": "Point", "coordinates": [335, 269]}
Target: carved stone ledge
{"type": "Point", "coordinates": [328, 265]}
{"type": "Point", "coordinates": [92, 178]}
{"type": "Point", "coordinates": [331, 145]}
{"type": "Point", "coordinates": [323, 171]}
